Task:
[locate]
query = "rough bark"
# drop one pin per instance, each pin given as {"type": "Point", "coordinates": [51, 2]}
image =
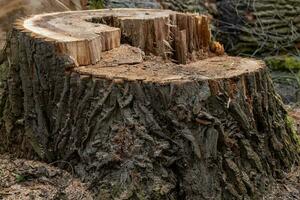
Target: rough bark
{"type": "Point", "coordinates": [266, 27]}
{"type": "Point", "coordinates": [153, 129]}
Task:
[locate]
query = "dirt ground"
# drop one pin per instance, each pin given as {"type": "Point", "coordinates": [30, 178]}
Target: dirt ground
{"type": "Point", "coordinates": [287, 188]}
{"type": "Point", "coordinates": [26, 180]}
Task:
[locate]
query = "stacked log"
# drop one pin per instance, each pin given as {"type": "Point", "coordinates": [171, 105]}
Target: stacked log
{"type": "Point", "coordinates": [267, 27]}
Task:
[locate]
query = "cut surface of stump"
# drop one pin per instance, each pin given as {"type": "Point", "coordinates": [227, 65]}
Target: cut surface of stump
{"type": "Point", "coordinates": [84, 35]}
{"type": "Point", "coordinates": [157, 115]}
{"type": "Point", "coordinates": [157, 70]}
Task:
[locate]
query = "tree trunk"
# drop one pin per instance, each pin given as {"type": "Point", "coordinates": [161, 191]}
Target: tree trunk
{"type": "Point", "coordinates": [138, 126]}
{"type": "Point", "coordinates": [266, 27]}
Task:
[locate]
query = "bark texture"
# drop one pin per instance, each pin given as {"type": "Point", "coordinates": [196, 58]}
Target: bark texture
{"type": "Point", "coordinates": [266, 27]}
{"type": "Point", "coordinates": [194, 134]}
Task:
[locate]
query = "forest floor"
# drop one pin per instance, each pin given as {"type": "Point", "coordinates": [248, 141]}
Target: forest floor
{"type": "Point", "coordinates": [287, 188]}
{"type": "Point", "coordinates": [23, 179]}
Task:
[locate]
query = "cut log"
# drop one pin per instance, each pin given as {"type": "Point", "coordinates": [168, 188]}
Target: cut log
{"type": "Point", "coordinates": [178, 5]}
{"type": "Point", "coordinates": [74, 36]}
{"type": "Point", "coordinates": [140, 126]}
{"type": "Point", "coordinates": [263, 28]}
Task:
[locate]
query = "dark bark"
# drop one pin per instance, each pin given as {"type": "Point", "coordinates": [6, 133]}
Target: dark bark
{"type": "Point", "coordinates": [223, 138]}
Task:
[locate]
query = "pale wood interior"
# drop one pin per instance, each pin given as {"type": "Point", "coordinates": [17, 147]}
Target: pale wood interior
{"type": "Point", "coordinates": [84, 35]}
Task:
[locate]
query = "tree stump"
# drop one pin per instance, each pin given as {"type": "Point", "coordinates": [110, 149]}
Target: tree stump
{"type": "Point", "coordinates": [142, 107]}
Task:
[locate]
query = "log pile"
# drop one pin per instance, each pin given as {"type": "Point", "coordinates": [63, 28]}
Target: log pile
{"type": "Point", "coordinates": [143, 106]}
{"type": "Point", "coordinates": [153, 4]}
{"type": "Point", "coordinates": [177, 5]}
{"type": "Point", "coordinates": [267, 27]}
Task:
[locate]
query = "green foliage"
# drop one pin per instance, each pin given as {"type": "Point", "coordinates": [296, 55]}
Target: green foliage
{"type": "Point", "coordinates": [290, 122]}
{"type": "Point", "coordinates": [284, 63]}
{"type": "Point", "coordinates": [20, 178]}
{"type": "Point", "coordinates": [290, 67]}
{"type": "Point", "coordinates": [96, 4]}
{"type": "Point", "coordinates": [292, 125]}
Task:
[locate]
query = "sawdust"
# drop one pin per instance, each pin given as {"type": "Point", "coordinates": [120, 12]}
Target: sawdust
{"type": "Point", "coordinates": [155, 69]}
{"type": "Point", "coordinates": [124, 55]}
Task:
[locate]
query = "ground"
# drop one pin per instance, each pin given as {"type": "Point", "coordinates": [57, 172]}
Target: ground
{"type": "Point", "coordinates": [288, 188]}
{"type": "Point", "coordinates": [23, 179]}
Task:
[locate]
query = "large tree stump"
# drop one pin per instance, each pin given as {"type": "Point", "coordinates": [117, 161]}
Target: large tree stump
{"type": "Point", "coordinates": [132, 120]}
